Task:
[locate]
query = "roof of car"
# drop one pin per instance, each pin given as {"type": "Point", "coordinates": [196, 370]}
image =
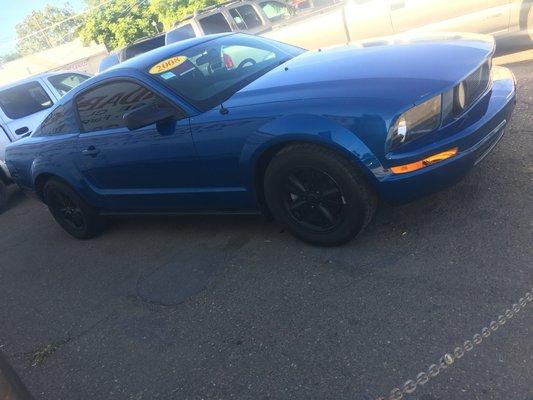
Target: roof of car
{"type": "Point", "coordinates": [145, 60]}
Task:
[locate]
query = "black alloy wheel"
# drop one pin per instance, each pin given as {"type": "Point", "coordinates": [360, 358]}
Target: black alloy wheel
{"type": "Point", "coordinates": [318, 195]}
{"type": "Point", "coordinates": [70, 211]}
{"type": "Point", "coordinates": [67, 210]}
{"type": "Point", "coordinates": [314, 199]}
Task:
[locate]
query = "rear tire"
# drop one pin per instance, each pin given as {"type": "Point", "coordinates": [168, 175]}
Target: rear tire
{"type": "Point", "coordinates": [3, 196]}
{"type": "Point", "coordinates": [318, 195]}
{"type": "Point", "coordinates": [71, 212]}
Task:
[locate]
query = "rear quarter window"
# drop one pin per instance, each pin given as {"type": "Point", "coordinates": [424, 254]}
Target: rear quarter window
{"type": "Point", "coordinates": [23, 100]}
{"type": "Point", "coordinates": [60, 121]}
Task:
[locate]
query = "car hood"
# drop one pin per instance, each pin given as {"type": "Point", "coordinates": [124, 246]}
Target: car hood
{"type": "Point", "coordinates": [402, 70]}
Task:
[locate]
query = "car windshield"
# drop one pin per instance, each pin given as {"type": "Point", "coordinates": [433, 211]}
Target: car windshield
{"type": "Point", "coordinates": [207, 74]}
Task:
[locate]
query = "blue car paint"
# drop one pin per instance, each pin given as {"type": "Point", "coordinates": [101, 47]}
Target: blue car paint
{"type": "Point", "coordinates": [344, 98]}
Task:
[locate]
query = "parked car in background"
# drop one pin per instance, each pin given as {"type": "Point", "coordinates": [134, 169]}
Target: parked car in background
{"type": "Point", "coordinates": [312, 138]}
{"type": "Point", "coordinates": [329, 23]}
{"type": "Point", "coordinates": [250, 16]}
{"type": "Point", "coordinates": [138, 47]}
{"type": "Point", "coordinates": [23, 105]}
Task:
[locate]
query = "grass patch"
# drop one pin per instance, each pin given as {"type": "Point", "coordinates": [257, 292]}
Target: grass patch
{"type": "Point", "coordinates": [43, 353]}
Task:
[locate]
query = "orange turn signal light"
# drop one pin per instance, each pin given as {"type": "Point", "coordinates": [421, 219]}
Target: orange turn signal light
{"type": "Point", "coordinates": [435, 158]}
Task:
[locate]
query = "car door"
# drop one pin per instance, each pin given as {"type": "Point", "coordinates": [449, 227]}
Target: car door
{"type": "Point", "coordinates": [137, 170]}
{"type": "Point", "coordinates": [478, 16]}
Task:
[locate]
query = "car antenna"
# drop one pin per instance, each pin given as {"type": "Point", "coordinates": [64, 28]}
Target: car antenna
{"type": "Point", "coordinates": [223, 110]}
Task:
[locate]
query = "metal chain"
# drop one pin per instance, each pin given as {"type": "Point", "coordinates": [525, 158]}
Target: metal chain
{"type": "Point", "coordinates": [449, 358]}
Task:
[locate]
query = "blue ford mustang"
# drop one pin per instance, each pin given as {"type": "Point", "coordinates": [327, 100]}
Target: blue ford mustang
{"type": "Point", "coordinates": [236, 123]}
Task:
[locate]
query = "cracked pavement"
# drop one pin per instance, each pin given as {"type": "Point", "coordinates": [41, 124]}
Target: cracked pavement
{"type": "Point", "coordinates": [234, 308]}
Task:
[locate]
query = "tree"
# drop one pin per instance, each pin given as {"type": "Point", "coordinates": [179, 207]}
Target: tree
{"type": "Point", "coordinates": [170, 11]}
{"type": "Point", "coordinates": [40, 30]}
{"type": "Point", "coordinates": [9, 57]}
{"type": "Point", "coordinates": [118, 23]}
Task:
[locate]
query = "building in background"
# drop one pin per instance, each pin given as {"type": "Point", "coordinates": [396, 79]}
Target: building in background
{"type": "Point", "coordinates": [72, 56]}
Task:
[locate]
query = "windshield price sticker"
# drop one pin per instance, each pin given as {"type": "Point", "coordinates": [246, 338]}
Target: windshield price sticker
{"type": "Point", "coordinates": [167, 64]}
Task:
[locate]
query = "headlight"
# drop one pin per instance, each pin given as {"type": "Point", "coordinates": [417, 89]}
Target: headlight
{"type": "Point", "coordinates": [460, 97]}
{"type": "Point", "coordinates": [418, 120]}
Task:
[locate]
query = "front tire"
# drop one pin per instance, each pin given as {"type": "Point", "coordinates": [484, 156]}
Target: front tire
{"type": "Point", "coordinates": [318, 195]}
{"type": "Point", "coordinates": [71, 212]}
{"type": "Point", "coordinates": [3, 196]}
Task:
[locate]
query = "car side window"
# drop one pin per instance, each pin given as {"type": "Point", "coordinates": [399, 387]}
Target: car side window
{"type": "Point", "coordinates": [63, 83]}
{"type": "Point", "coordinates": [58, 122]}
{"type": "Point", "coordinates": [275, 11]}
{"type": "Point", "coordinates": [104, 106]}
{"type": "Point", "coordinates": [183, 32]}
{"type": "Point", "coordinates": [24, 99]}
{"type": "Point", "coordinates": [245, 17]}
{"type": "Point", "coordinates": [215, 23]}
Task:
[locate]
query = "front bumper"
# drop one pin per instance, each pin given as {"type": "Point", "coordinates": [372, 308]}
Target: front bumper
{"type": "Point", "coordinates": [479, 130]}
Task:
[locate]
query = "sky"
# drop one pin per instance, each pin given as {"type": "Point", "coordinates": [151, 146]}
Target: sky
{"type": "Point", "coordinates": [14, 11]}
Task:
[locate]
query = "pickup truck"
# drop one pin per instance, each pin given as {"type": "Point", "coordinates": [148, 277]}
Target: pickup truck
{"type": "Point", "coordinates": [254, 17]}
{"type": "Point", "coordinates": [23, 105]}
{"type": "Point", "coordinates": [352, 20]}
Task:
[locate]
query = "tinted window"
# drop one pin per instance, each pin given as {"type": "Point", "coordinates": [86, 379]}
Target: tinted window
{"type": "Point", "coordinates": [215, 23]}
{"type": "Point", "coordinates": [103, 107]}
{"type": "Point", "coordinates": [210, 72]}
{"type": "Point", "coordinates": [59, 121]}
{"type": "Point", "coordinates": [181, 33]}
{"type": "Point", "coordinates": [275, 10]}
{"type": "Point", "coordinates": [65, 82]}
{"type": "Point", "coordinates": [245, 17]}
{"type": "Point", "coordinates": [142, 47]}
{"type": "Point", "coordinates": [23, 100]}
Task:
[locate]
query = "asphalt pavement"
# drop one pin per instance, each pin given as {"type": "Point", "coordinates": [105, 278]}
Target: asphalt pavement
{"type": "Point", "coordinates": [235, 308]}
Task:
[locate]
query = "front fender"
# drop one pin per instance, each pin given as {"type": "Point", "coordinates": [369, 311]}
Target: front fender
{"type": "Point", "coordinates": [313, 129]}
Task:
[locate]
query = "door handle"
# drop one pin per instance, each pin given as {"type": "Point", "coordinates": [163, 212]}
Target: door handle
{"type": "Point", "coordinates": [90, 151]}
{"type": "Point", "coordinates": [22, 131]}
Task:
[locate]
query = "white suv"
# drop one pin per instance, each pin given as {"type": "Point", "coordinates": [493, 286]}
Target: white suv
{"type": "Point", "coordinates": [23, 105]}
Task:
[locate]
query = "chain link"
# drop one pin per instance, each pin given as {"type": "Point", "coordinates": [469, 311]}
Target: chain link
{"type": "Point", "coordinates": [448, 359]}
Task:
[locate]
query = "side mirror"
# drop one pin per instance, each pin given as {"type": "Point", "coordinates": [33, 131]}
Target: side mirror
{"type": "Point", "coordinates": [148, 115]}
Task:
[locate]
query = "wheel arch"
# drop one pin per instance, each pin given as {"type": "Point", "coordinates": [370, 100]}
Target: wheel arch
{"type": "Point", "coordinates": [40, 181]}
{"type": "Point", "coordinates": [267, 155]}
